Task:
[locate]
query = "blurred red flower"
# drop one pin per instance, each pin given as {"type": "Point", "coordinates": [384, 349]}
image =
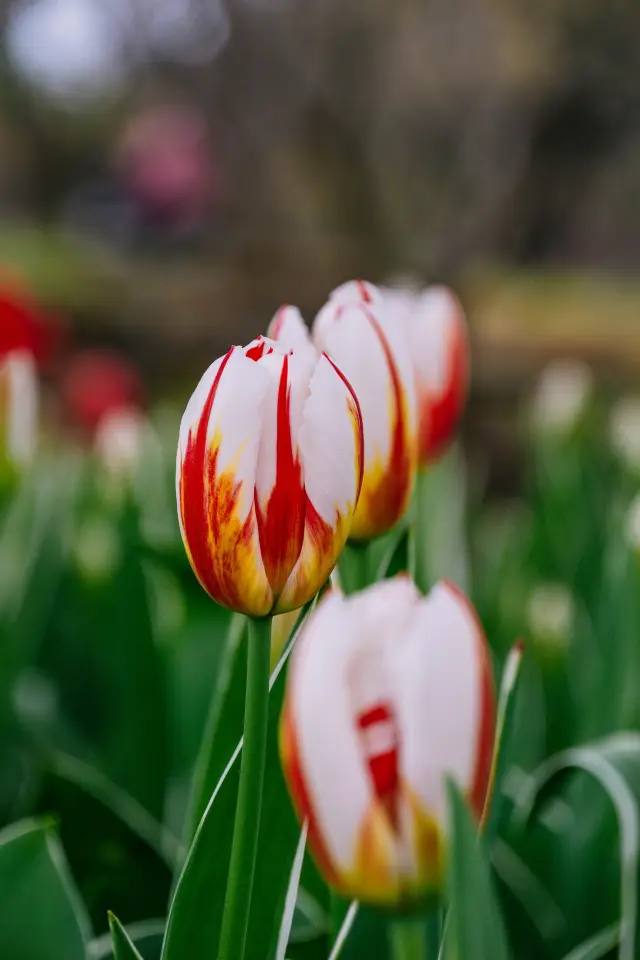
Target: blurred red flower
{"type": "Point", "coordinates": [24, 325]}
{"type": "Point", "coordinates": [97, 382]}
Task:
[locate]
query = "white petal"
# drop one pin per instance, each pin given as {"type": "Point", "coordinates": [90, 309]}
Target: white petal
{"type": "Point", "coordinates": [356, 291]}
{"type": "Point", "coordinates": [438, 683]}
{"type": "Point", "coordinates": [351, 336]}
{"type": "Point", "coordinates": [329, 441]}
{"type": "Point", "coordinates": [330, 758]}
{"type": "Point", "coordinates": [236, 419]}
{"type": "Point", "coordinates": [299, 371]}
{"type": "Point", "coordinates": [18, 371]}
{"type": "Point", "coordinates": [399, 303]}
{"type": "Point", "coordinates": [432, 329]}
{"type": "Point", "coordinates": [289, 329]}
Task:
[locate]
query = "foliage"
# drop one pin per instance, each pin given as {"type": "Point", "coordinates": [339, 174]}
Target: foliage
{"type": "Point", "coordinates": [121, 701]}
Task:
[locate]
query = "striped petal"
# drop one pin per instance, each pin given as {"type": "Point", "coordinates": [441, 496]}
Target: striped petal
{"type": "Point", "coordinates": [215, 479]}
{"type": "Point", "coordinates": [280, 495]}
{"type": "Point", "coordinates": [319, 741]}
{"type": "Point", "coordinates": [374, 356]}
{"type": "Point", "coordinates": [444, 702]}
{"type": "Point", "coordinates": [438, 337]}
{"type": "Point", "coordinates": [331, 451]}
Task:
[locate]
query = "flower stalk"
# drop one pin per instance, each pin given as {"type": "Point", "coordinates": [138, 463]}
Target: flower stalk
{"type": "Point", "coordinates": [247, 824]}
{"type": "Point", "coordinates": [407, 936]}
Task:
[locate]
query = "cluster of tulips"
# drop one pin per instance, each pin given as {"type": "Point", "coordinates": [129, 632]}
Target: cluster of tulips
{"type": "Point", "coordinates": [295, 453]}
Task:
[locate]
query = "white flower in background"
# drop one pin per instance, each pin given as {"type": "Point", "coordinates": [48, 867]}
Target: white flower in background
{"type": "Point", "coordinates": [551, 616]}
{"type": "Point", "coordinates": [120, 441]}
{"type": "Point", "coordinates": [19, 395]}
{"type": "Point", "coordinates": [561, 396]}
{"type": "Point", "coordinates": [624, 432]}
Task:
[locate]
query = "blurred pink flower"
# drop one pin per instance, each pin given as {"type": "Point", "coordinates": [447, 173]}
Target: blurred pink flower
{"type": "Point", "coordinates": [166, 162]}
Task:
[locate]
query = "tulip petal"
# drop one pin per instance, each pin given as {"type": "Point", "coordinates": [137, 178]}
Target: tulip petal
{"type": "Point", "coordinates": [215, 480]}
{"type": "Point", "coordinates": [19, 405]}
{"type": "Point", "coordinates": [437, 333]}
{"type": "Point", "coordinates": [280, 495]}
{"type": "Point", "coordinates": [331, 450]}
{"type": "Point", "coordinates": [375, 358]}
{"type": "Point", "coordinates": [444, 702]}
{"type": "Point", "coordinates": [288, 328]}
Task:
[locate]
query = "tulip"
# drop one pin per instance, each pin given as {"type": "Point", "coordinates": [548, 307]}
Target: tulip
{"type": "Point", "coordinates": [388, 694]}
{"type": "Point", "coordinates": [269, 470]}
{"type": "Point", "coordinates": [352, 329]}
{"type": "Point", "coordinates": [98, 382]}
{"type": "Point", "coordinates": [18, 406]}
{"type": "Point", "coordinates": [436, 329]}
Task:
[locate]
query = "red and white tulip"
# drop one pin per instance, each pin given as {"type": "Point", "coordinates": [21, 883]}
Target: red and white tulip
{"type": "Point", "coordinates": [269, 470]}
{"type": "Point", "coordinates": [436, 328]}
{"type": "Point", "coordinates": [389, 693]}
{"type": "Point", "coordinates": [352, 328]}
{"type": "Point", "coordinates": [19, 397]}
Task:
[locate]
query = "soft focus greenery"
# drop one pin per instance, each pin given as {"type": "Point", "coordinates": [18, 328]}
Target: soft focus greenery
{"type": "Point", "coordinates": [122, 695]}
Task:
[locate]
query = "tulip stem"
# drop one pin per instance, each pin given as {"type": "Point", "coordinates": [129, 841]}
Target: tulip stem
{"type": "Point", "coordinates": [244, 848]}
{"type": "Point", "coordinates": [408, 938]}
{"type": "Point", "coordinates": [420, 552]}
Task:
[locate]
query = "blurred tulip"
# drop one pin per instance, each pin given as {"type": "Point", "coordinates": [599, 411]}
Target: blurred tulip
{"type": "Point", "coordinates": [624, 431]}
{"type": "Point", "coordinates": [389, 693]}
{"type": "Point", "coordinates": [96, 383]}
{"type": "Point", "coordinates": [561, 397]}
{"type": "Point", "coordinates": [121, 436]}
{"type": "Point", "coordinates": [436, 327]}
{"type": "Point", "coordinates": [353, 330]}
{"type": "Point", "coordinates": [269, 470]}
{"type": "Point", "coordinates": [24, 325]}
{"type": "Point", "coordinates": [19, 393]}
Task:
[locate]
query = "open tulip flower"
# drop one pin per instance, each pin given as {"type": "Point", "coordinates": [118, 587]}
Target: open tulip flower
{"type": "Point", "coordinates": [388, 694]}
{"type": "Point", "coordinates": [436, 328]}
{"type": "Point", "coordinates": [353, 329]}
{"type": "Point", "coordinates": [269, 470]}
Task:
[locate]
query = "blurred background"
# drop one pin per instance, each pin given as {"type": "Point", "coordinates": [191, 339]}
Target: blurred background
{"type": "Point", "coordinates": [171, 171]}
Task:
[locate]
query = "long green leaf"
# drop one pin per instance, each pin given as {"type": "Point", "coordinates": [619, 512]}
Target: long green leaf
{"type": "Point", "coordinates": [195, 915]}
{"type": "Point", "coordinates": [146, 937]}
{"type": "Point", "coordinates": [41, 914]}
{"type": "Point", "coordinates": [474, 927]}
{"type": "Point", "coordinates": [614, 764]}
{"type": "Point", "coordinates": [123, 948]}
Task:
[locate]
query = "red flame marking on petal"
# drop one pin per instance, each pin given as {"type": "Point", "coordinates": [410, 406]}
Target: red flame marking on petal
{"type": "Point", "coordinates": [281, 525]}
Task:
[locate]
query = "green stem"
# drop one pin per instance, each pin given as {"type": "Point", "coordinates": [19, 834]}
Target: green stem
{"type": "Point", "coordinates": [420, 553]}
{"type": "Point", "coordinates": [354, 567]}
{"type": "Point", "coordinates": [245, 832]}
{"type": "Point", "coordinates": [407, 937]}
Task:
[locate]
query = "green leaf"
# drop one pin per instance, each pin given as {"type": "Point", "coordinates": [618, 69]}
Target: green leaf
{"type": "Point", "coordinates": [125, 807]}
{"type": "Point", "coordinates": [475, 929]}
{"type": "Point", "coordinates": [504, 746]}
{"type": "Point", "coordinates": [102, 656]}
{"type": "Point", "coordinates": [146, 937]}
{"type": "Point", "coordinates": [224, 724]}
{"type": "Point", "coordinates": [41, 914]}
{"type": "Point", "coordinates": [123, 948]}
{"type": "Point", "coordinates": [439, 520]}
{"type": "Point", "coordinates": [614, 764]}
{"type": "Point", "coordinates": [195, 915]}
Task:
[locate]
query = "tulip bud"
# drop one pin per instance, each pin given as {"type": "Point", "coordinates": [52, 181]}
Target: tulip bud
{"type": "Point", "coordinates": [437, 333]}
{"type": "Point", "coordinates": [389, 693]}
{"type": "Point", "coordinates": [352, 328]}
{"type": "Point", "coordinates": [18, 407]}
{"type": "Point", "coordinates": [561, 397]}
{"type": "Point", "coordinates": [269, 470]}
